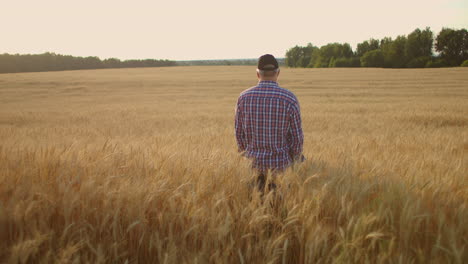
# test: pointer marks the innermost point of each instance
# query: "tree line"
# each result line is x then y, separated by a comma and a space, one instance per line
229, 62
11, 63
415, 50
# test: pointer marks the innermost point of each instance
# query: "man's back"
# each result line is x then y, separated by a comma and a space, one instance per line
268, 126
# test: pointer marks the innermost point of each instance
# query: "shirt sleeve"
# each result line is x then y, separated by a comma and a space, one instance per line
240, 135
296, 136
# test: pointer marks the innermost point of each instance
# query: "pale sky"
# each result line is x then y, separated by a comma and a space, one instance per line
210, 29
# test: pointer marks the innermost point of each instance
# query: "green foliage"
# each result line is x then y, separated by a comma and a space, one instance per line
412, 51
436, 63
112, 63
394, 52
292, 56
387, 48
10, 63
315, 58
366, 46
348, 62
419, 44
419, 62
301, 56
330, 52
331, 64
373, 58
464, 64
396, 58
311, 56
453, 45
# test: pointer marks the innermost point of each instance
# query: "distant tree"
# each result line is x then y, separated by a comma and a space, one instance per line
394, 52
327, 52
366, 46
386, 48
112, 63
419, 62
436, 63
373, 58
397, 57
331, 52
346, 51
309, 54
331, 63
92, 62
418, 45
464, 64
300, 56
348, 62
293, 55
315, 57
8, 63
452, 45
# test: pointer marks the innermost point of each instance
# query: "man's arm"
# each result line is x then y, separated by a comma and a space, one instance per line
240, 136
296, 136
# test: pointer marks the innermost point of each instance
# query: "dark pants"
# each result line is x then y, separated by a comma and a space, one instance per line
266, 184
262, 183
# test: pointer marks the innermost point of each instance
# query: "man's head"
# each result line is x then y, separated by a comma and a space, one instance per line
267, 69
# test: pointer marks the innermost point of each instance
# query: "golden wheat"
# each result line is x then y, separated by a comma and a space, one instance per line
140, 166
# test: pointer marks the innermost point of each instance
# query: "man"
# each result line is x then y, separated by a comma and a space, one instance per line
268, 123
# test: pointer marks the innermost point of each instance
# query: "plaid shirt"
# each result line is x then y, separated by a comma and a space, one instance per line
268, 126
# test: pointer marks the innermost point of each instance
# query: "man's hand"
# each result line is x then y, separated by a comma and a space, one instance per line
298, 159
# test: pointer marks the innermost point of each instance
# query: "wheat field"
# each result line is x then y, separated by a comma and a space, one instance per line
141, 166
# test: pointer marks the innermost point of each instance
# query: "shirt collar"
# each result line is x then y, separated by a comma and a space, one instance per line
267, 83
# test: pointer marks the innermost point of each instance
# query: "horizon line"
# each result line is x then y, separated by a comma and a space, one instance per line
104, 58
